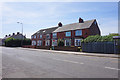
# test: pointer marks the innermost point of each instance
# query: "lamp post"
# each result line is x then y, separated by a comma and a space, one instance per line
22, 32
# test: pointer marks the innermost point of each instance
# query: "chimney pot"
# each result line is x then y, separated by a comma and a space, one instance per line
13, 33
60, 24
18, 32
81, 20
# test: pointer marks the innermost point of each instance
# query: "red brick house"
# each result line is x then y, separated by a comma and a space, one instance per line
71, 34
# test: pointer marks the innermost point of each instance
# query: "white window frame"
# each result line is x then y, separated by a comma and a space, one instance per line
54, 43
55, 35
78, 40
39, 43
37, 36
40, 36
34, 36
33, 42
66, 42
47, 35
47, 43
67, 33
80, 33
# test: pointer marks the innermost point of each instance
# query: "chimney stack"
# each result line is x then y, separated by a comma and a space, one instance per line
59, 24
18, 33
13, 33
81, 20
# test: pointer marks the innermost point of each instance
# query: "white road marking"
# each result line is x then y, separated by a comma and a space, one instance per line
69, 61
112, 68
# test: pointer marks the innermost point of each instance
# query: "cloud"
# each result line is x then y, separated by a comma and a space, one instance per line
42, 15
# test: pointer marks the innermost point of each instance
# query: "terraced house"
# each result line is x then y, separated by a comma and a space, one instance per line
71, 34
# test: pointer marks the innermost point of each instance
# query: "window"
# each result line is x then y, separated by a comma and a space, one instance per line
78, 32
32, 37
35, 36
54, 35
95, 22
48, 36
33, 43
40, 36
68, 34
39, 43
54, 42
47, 42
68, 42
78, 42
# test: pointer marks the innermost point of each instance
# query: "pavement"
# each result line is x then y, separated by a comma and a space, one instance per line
78, 53
36, 63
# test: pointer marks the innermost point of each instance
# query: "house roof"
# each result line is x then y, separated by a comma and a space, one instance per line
46, 31
13, 36
6, 37
75, 26
68, 27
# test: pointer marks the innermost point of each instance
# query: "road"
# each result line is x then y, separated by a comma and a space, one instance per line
26, 63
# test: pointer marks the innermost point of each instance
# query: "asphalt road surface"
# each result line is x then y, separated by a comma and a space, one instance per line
26, 63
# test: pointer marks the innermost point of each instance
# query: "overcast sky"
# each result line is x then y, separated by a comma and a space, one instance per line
40, 15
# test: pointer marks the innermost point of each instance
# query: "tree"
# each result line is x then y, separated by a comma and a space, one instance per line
60, 42
98, 38
12, 42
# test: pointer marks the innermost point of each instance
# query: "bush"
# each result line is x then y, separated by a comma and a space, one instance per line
60, 42
26, 42
98, 38
12, 42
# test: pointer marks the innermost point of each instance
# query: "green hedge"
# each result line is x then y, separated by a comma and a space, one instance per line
98, 38
11, 42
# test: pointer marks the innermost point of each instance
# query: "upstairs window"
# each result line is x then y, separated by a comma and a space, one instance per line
68, 34
95, 22
54, 35
37, 36
40, 36
34, 36
78, 32
48, 36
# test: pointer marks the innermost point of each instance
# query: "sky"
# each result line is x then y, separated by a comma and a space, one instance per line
41, 15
